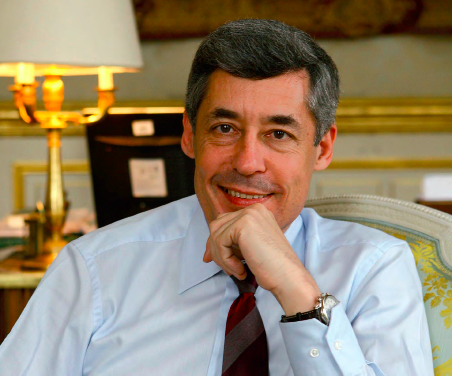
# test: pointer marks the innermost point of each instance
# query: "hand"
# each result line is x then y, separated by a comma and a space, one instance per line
253, 234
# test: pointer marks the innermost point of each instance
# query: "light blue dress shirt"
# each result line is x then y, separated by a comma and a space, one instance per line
135, 298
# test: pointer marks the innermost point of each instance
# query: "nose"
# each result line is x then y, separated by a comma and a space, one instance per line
249, 156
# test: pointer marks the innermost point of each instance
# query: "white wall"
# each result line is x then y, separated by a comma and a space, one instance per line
389, 66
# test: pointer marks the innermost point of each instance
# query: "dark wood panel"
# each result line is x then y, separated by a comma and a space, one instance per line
444, 206
12, 303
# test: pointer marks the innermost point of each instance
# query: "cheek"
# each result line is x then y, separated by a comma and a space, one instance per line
295, 177
293, 171
210, 159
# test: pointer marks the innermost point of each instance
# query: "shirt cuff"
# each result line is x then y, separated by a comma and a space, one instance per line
316, 349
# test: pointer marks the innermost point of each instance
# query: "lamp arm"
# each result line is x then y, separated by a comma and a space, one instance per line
25, 101
106, 99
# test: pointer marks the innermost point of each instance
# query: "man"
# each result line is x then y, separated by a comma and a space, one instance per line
152, 294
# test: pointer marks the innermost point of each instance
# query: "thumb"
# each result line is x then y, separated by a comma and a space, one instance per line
207, 254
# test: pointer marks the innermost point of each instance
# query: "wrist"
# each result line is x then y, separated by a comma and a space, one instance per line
322, 311
297, 296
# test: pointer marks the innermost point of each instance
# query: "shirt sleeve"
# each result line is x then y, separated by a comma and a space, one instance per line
381, 330
53, 332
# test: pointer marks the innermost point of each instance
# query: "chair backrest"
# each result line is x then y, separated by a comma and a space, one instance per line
428, 233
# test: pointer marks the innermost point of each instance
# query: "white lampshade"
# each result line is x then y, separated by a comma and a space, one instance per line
68, 37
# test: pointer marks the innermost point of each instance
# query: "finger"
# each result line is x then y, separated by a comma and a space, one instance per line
216, 257
222, 219
224, 250
208, 257
226, 232
236, 267
225, 259
223, 215
213, 227
207, 254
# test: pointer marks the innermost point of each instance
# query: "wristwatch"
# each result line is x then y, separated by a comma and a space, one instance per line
321, 311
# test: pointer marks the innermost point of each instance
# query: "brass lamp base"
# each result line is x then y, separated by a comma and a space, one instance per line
54, 121
43, 261
54, 246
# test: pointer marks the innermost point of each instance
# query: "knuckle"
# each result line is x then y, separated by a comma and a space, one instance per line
213, 240
251, 210
259, 206
254, 211
212, 227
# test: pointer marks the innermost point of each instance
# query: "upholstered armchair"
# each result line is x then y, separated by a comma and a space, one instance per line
428, 233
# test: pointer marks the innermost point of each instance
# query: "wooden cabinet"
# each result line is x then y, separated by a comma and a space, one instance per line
16, 288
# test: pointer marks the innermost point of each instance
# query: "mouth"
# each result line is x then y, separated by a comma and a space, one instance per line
240, 198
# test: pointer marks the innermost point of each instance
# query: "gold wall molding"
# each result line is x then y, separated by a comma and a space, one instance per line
390, 163
355, 115
12, 126
394, 115
21, 169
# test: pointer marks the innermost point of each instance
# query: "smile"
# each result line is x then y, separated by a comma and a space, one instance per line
242, 195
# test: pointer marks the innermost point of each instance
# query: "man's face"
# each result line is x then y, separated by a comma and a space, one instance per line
253, 143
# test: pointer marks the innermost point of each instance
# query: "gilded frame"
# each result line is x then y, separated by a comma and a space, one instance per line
23, 168
355, 115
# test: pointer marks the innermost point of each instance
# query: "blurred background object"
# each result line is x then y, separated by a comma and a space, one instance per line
437, 192
45, 38
436, 187
150, 169
167, 19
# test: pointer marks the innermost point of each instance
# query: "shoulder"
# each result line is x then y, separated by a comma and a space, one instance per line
333, 234
162, 224
355, 252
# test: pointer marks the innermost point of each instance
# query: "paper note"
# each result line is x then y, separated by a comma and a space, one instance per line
143, 127
148, 178
436, 187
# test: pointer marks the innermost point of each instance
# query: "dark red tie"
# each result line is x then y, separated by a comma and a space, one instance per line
245, 352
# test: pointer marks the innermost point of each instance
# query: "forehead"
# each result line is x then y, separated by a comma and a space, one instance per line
285, 94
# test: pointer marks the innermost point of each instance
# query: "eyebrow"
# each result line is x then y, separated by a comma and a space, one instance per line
280, 119
220, 112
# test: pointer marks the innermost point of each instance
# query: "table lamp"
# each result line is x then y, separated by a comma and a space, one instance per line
55, 38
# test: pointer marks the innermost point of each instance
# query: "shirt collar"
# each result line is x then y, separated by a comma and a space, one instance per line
192, 269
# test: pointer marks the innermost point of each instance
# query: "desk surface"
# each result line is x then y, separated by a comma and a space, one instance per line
11, 275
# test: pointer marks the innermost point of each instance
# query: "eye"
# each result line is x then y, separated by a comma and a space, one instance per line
278, 134
224, 128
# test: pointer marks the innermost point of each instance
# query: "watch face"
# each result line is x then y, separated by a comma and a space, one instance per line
330, 302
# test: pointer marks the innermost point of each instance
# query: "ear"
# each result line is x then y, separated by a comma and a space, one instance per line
324, 150
187, 137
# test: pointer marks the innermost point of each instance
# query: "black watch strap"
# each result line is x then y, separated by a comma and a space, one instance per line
302, 316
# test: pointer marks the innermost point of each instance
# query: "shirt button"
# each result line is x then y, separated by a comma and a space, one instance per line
314, 352
337, 345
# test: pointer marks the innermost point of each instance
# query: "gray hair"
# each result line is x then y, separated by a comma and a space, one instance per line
259, 49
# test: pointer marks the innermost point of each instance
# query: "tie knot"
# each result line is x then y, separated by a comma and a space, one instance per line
249, 284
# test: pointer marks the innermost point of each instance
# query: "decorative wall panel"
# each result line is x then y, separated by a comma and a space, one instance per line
163, 19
